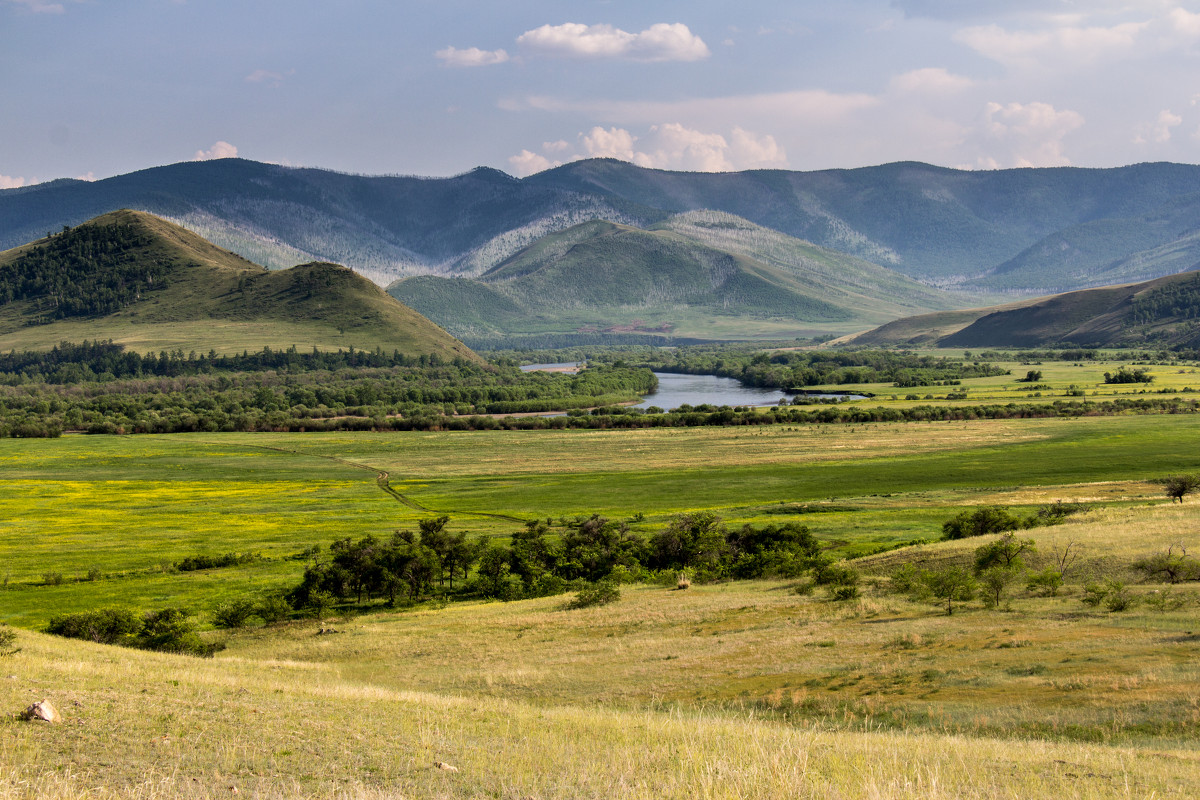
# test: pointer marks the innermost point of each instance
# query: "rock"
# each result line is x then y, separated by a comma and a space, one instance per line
442, 765
43, 711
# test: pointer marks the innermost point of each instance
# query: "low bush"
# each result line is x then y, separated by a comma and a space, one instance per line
600, 593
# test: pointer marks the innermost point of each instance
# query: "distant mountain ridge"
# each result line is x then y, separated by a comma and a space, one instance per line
147, 283
692, 273
1164, 312
1021, 230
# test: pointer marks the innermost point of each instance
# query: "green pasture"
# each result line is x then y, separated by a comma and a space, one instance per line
125, 509
1058, 382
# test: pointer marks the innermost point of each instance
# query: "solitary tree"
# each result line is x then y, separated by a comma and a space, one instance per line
950, 584
1177, 486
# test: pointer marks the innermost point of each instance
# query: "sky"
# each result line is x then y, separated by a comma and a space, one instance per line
94, 88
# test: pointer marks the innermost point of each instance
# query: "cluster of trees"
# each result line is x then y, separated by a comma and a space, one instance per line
540, 562
1128, 375
101, 360
994, 519
84, 271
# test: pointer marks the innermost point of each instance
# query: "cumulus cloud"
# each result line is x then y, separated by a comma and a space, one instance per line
665, 146
218, 150
528, 162
1026, 135
470, 57
9, 182
1159, 131
660, 42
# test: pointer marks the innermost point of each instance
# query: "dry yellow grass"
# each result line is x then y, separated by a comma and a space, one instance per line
151, 726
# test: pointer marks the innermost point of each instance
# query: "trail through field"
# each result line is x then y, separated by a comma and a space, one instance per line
383, 480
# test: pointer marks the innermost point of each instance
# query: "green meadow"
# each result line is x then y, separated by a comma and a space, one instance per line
738, 690
123, 510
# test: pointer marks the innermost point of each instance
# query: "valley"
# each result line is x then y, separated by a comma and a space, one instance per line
283, 533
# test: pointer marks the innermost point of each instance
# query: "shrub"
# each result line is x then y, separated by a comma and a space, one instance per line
52, 578
1045, 583
1094, 593
804, 587
1166, 600
234, 613
981, 521
172, 630
683, 581
1171, 566
906, 578
1118, 597
600, 593
841, 592
273, 608
835, 574
112, 625
7, 637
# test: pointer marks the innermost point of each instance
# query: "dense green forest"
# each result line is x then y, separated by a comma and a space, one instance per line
84, 272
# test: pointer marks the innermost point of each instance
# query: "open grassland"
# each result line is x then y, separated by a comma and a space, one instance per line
742, 690
125, 509
739, 691
1060, 380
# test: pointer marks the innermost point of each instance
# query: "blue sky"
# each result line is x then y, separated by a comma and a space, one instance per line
92, 88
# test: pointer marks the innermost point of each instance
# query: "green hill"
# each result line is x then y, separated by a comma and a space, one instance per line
1164, 312
696, 274
148, 284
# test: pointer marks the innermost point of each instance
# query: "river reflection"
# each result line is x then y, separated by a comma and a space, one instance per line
676, 390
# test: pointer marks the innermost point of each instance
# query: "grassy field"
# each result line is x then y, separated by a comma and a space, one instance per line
738, 690
125, 509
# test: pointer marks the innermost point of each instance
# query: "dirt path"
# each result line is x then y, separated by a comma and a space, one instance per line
383, 481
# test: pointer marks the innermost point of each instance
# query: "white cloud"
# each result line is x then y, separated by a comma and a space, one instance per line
89, 177
470, 57
1184, 22
528, 162
1064, 45
659, 42
665, 146
39, 7
1159, 131
931, 80
749, 151
1026, 135
8, 182
218, 150
611, 143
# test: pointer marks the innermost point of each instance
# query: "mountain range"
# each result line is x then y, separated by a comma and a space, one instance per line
889, 241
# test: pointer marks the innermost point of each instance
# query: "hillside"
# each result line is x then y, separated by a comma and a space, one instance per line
1029, 230
1161, 312
696, 274
383, 227
149, 284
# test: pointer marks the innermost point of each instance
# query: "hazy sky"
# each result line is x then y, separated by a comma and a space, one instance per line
101, 87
